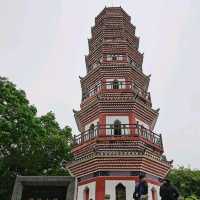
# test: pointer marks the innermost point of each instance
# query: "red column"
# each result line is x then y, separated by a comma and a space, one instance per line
102, 121
103, 85
132, 121
100, 188
86, 194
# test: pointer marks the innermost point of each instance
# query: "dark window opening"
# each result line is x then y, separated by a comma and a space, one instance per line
120, 192
91, 130
86, 193
117, 127
115, 84
114, 58
44, 192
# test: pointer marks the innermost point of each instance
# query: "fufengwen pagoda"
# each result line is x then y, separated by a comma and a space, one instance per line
116, 120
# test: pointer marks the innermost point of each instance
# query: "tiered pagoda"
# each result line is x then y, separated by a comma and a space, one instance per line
116, 120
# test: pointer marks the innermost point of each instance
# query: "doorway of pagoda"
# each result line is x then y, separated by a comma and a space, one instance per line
117, 127
120, 192
86, 193
91, 131
115, 84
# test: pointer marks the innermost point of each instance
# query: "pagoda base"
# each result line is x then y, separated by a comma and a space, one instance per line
106, 188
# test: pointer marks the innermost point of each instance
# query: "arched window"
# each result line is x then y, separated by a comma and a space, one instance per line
114, 57
117, 127
86, 194
115, 84
120, 192
91, 131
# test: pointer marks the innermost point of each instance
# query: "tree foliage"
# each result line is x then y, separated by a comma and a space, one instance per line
29, 145
187, 181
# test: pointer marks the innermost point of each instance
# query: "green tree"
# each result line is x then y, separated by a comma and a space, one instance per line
29, 145
187, 181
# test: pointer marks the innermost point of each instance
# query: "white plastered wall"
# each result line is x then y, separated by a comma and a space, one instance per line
92, 190
111, 184
87, 126
122, 119
142, 123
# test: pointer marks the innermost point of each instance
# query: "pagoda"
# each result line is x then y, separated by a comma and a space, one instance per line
116, 121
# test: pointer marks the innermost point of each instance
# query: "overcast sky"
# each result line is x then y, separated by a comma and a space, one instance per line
42, 48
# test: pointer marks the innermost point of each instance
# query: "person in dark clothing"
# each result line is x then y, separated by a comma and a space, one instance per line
168, 191
141, 189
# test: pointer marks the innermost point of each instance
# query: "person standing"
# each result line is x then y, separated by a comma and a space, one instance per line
141, 189
168, 191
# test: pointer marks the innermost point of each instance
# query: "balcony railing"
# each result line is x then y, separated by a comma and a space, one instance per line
109, 130
117, 86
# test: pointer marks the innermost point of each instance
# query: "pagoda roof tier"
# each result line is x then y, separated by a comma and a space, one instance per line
117, 33
126, 90
100, 55
119, 70
126, 144
117, 22
112, 12
105, 37
136, 161
110, 104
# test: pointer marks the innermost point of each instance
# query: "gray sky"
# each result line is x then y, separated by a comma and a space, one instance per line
42, 48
